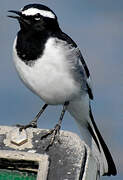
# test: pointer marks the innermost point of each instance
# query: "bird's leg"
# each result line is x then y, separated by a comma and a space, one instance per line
33, 123
56, 130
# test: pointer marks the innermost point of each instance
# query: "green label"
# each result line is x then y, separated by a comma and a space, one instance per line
16, 175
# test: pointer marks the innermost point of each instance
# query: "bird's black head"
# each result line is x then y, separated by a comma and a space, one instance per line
36, 17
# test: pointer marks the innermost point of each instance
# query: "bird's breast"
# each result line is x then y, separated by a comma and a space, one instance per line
49, 77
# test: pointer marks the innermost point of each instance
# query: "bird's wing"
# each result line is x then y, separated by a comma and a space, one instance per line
66, 38
88, 77
79, 109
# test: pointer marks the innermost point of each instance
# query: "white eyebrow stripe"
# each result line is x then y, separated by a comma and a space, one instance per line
34, 11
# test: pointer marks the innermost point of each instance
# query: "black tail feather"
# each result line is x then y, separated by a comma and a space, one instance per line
111, 166
93, 135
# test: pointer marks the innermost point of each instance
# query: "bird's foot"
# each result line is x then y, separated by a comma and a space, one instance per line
32, 124
55, 132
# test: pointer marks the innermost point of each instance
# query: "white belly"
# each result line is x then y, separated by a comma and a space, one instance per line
49, 77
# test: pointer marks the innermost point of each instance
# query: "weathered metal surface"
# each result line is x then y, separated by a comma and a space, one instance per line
69, 160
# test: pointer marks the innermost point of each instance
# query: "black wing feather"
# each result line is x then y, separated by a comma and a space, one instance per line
61, 35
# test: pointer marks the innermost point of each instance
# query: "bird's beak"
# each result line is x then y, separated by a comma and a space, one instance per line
15, 12
20, 17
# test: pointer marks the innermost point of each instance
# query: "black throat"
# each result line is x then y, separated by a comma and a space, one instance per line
30, 45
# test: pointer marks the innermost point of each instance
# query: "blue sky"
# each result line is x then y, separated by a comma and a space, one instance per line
97, 27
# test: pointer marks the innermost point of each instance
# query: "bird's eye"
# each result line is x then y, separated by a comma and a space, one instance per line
37, 17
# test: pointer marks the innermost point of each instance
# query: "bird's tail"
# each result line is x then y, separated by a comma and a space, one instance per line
81, 111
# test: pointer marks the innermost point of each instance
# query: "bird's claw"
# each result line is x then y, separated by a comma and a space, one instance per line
55, 132
31, 124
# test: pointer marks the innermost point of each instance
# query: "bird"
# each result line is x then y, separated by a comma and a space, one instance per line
51, 65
